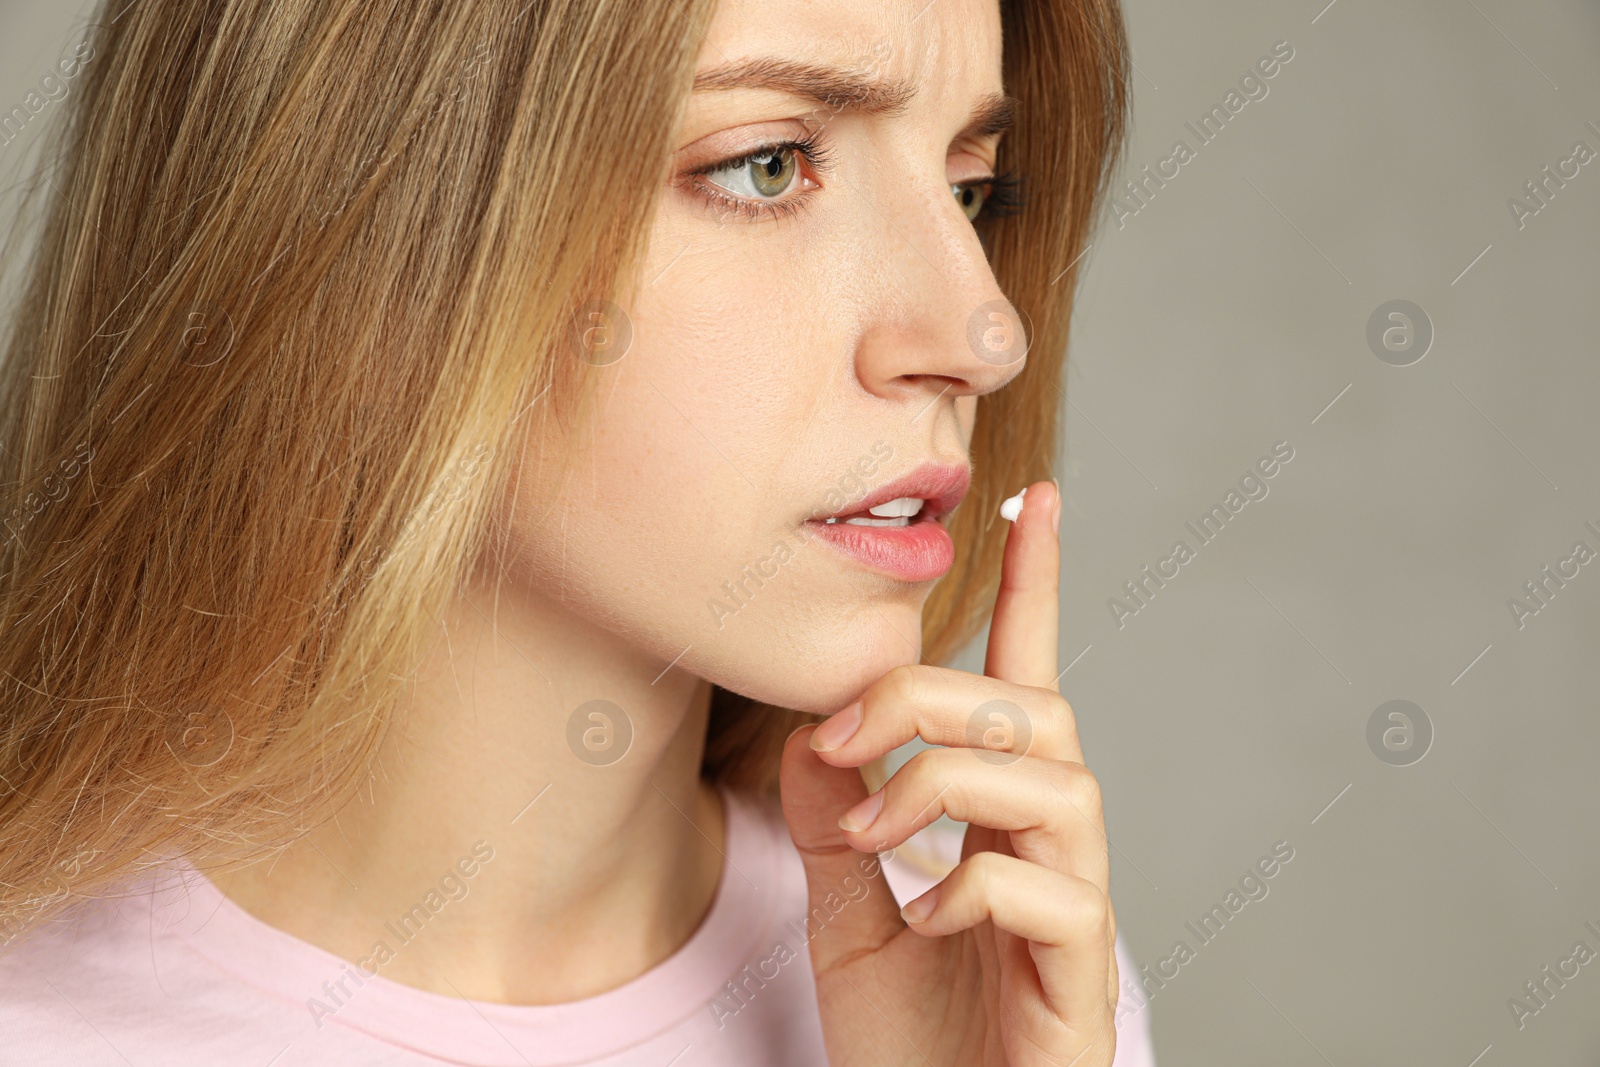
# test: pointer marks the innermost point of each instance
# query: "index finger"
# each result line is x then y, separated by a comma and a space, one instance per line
1023, 629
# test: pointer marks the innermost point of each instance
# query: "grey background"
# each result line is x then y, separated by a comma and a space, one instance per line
1231, 713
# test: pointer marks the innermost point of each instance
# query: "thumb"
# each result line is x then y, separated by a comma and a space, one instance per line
850, 908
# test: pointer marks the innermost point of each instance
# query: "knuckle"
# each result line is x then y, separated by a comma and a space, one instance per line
1060, 715
900, 684
915, 772
947, 763
936, 774
1085, 906
1092, 909
983, 871
921, 679
1080, 787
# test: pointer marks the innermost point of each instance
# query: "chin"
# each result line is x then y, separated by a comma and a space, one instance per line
821, 666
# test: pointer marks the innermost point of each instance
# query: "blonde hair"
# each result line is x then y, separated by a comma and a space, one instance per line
305, 276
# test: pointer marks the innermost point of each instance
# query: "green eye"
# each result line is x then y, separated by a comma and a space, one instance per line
769, 172
971, 199
770, 181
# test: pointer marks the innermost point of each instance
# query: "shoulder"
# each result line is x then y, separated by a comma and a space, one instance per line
116, 980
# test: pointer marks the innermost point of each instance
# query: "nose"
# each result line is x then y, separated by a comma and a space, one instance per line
937, 322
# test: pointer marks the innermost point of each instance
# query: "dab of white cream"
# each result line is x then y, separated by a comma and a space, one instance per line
1011, 509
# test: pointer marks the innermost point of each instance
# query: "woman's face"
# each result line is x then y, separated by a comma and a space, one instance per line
805, 332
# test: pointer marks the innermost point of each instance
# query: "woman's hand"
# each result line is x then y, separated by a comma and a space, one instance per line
1010, 959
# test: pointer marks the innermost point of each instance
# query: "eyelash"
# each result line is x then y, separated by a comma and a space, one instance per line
1005, 195
811, 149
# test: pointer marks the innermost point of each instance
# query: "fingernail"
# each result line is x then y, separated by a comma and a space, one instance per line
1055, 520
860, 817
918, 910
837, 730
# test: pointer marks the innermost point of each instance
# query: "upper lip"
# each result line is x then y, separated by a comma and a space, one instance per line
940, 486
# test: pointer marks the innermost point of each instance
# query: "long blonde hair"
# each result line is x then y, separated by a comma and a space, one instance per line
305, 276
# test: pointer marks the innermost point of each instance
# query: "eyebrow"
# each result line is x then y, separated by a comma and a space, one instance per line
844, 89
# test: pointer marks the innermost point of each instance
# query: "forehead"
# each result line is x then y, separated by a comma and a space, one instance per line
937, 47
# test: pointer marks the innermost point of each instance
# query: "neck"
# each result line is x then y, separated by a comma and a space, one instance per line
584, 850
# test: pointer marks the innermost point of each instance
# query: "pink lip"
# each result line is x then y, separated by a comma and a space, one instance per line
917, 552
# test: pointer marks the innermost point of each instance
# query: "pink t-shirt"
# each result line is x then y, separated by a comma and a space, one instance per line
174, 973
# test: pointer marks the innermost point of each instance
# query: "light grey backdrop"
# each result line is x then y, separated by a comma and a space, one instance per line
1231, 712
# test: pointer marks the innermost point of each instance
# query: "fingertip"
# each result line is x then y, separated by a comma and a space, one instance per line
837, 731
800, 735
916, 912
1042, 501
838, 757
801, 739
1050, 493
834, 758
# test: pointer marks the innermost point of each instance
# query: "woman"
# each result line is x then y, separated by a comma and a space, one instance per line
459, 452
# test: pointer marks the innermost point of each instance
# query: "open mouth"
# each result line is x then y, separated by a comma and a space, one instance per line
927, 494
901, 511
898, 529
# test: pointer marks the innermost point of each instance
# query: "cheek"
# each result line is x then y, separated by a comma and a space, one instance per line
677, 471
728, 421
629, 519
967, 417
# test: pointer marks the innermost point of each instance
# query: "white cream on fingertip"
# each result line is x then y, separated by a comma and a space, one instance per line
1011, 508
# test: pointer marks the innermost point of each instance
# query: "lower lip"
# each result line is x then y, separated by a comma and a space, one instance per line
917, 552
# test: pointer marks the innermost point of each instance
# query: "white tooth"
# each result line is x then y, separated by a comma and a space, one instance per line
905, 506
901, 521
